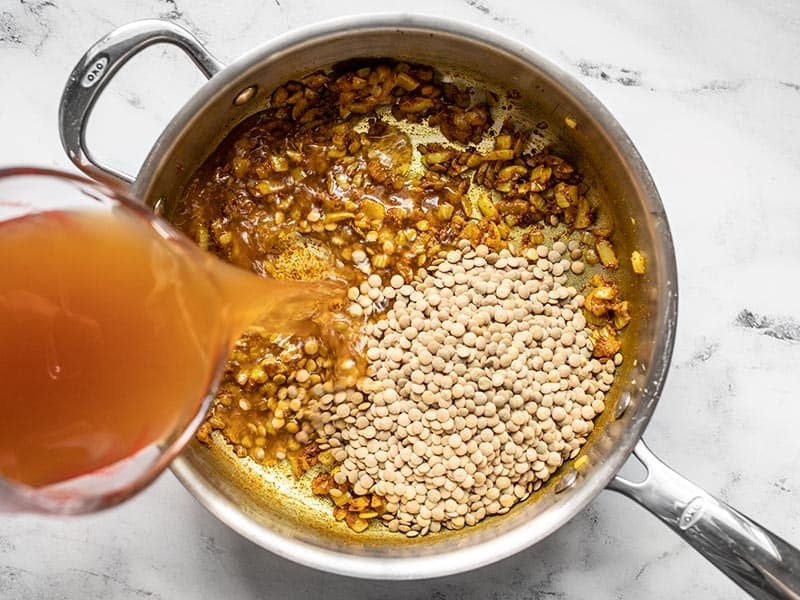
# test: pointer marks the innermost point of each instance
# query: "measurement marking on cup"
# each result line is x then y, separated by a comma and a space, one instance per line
95, 72
691, 514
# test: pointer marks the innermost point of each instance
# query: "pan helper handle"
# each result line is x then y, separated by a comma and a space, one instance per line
760, 562
93, 72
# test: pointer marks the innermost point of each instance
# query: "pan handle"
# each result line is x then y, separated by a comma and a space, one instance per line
96, 69
760, 562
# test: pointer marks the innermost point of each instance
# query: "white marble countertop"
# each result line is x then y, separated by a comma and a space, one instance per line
710, 94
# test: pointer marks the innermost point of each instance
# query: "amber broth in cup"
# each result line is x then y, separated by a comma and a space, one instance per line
111, 333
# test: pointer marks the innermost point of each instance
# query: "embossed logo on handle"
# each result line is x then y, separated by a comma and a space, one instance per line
692, 513
95, 71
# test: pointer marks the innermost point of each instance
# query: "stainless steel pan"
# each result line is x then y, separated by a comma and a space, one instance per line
265, 505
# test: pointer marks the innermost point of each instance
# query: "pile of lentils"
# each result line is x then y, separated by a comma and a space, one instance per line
480, 384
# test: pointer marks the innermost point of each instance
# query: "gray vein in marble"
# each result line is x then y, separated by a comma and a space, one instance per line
211, 545
36, 7
28, 28
486, 10
116, 582
627, 77
703, 354
6, 546
782, 485
9, 576
134, 101
717, 86
9, 34
478, 6
705, 350
731, 481
610, 73
781, 328
172, 12
647, 565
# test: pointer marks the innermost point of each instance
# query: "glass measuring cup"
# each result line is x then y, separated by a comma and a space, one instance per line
121, 451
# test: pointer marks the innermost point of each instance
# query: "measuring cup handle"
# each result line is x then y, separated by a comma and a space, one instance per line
97, 67
763, 564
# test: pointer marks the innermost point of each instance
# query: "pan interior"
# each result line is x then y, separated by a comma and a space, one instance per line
267, 504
